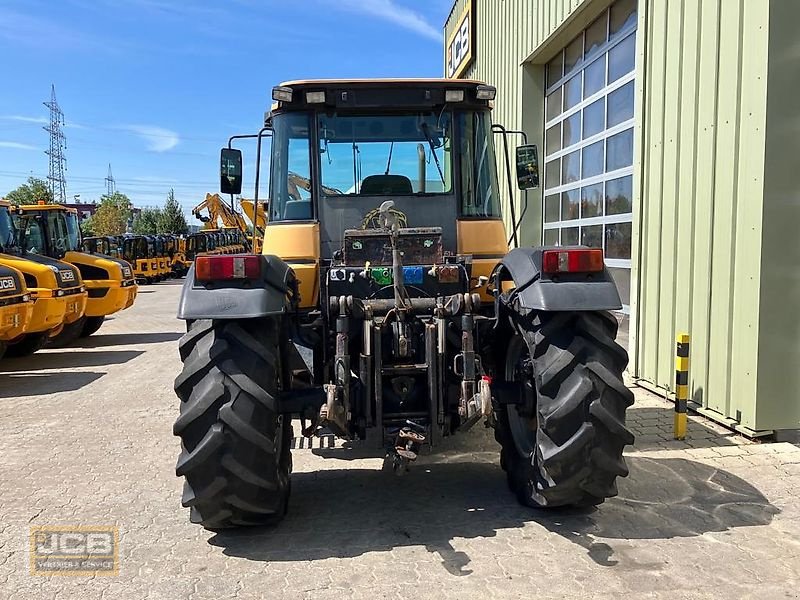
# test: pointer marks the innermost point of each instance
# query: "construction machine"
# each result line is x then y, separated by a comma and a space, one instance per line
258, 217
108, 245
135, 251
220, 217
53, 230
16, 306
58, 294
180, 264
392, 266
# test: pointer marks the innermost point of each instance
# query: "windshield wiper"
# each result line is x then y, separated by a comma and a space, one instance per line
428, 137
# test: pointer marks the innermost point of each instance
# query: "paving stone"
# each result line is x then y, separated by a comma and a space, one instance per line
90, 442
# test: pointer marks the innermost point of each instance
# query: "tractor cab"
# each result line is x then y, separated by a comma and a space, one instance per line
340, 150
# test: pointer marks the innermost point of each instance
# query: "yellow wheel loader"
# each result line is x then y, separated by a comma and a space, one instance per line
53, 230
16, 306
180, 262
386, 256
59, 296
108, 245
135, 251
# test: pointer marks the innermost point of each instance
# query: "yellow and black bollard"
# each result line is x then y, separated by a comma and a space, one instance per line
681, 384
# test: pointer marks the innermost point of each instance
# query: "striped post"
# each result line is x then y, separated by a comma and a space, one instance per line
681, 384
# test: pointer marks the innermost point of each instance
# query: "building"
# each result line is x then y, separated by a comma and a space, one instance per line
85, 210
667, 134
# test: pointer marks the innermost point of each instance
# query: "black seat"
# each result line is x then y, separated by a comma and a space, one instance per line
386, 185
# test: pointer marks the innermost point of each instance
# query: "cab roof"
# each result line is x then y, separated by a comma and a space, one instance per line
48, 207
429, 82
393, 94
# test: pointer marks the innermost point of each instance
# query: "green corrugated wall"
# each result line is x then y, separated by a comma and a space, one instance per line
710, 229
508, 31
703, 128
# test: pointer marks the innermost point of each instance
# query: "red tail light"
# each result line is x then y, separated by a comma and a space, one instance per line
572, 260
227, 266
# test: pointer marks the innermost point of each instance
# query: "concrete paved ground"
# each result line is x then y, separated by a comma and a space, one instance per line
85, 439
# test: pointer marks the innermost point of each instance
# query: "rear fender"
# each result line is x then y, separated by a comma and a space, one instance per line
535, 290
272, 294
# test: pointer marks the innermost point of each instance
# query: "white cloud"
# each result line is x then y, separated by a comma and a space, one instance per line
25, 119
389, 10
17, 146
158, 139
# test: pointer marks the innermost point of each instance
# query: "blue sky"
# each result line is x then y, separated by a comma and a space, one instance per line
155, 87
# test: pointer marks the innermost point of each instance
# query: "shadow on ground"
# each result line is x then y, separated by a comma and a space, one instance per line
21, 385
437, 502
125, 339
65, 359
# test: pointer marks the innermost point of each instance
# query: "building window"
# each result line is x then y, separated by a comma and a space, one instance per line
589, 121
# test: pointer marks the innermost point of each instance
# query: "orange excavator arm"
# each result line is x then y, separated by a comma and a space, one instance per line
219, 214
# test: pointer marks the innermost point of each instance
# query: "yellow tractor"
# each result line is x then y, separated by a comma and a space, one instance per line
16, 306
53, 230
59, 296
385, 255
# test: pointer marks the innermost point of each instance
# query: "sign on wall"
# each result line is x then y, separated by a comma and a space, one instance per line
460, 48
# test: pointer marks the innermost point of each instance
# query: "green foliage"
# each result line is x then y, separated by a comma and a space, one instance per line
87, 227
111, 216
31, 192
147, 221
172, 219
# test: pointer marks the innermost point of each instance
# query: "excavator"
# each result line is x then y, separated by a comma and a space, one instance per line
260, 219
55, 287
53, 230
223, 218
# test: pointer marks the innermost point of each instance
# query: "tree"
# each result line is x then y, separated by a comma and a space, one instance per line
146, 222
172, 219
87, 227
111, 216
31, 192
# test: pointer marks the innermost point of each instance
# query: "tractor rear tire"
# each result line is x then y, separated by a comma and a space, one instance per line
28, 344
69, 334
91, 325
235, 455
569, 451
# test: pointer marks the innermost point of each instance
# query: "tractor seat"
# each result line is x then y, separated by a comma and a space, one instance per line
297, 210
386, 185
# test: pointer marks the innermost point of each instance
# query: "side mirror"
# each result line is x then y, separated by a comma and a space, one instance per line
230, 171
527, 167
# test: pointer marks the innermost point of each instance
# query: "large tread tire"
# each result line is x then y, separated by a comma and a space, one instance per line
30, 343
69, 334
91, 325
578, 434
235, 446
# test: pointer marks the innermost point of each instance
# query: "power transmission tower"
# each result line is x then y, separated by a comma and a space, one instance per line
110, 184
58, 144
